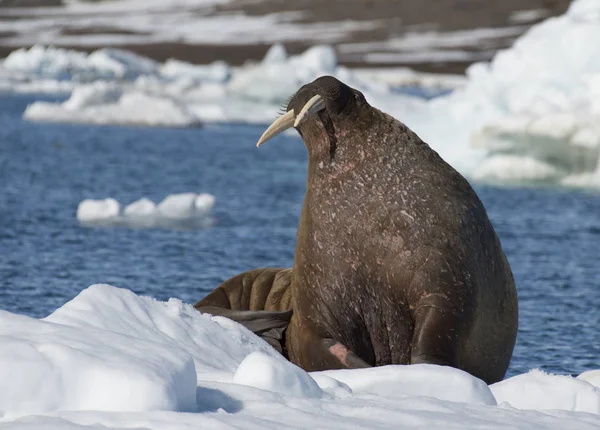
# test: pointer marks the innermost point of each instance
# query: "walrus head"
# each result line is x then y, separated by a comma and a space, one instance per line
320, 112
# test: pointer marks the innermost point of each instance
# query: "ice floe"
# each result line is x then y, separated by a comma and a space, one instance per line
182, 94
110, 359
529, 115
188, 210
536, 102
106, 103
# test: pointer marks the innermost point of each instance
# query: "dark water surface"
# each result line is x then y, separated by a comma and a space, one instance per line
552, 238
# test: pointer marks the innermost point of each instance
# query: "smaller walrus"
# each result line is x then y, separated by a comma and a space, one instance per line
259, 299
396, 261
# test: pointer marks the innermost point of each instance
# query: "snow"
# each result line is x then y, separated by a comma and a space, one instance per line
267, 373
176, 210
538, 390
443, 383
591, 376
110, 359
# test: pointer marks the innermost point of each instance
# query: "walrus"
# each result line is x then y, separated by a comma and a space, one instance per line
259, 299
396, 260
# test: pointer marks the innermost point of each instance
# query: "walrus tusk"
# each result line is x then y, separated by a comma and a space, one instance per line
280, 125
311, 107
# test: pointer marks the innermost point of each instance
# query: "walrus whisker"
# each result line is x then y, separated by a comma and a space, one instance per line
311, 107
279, 126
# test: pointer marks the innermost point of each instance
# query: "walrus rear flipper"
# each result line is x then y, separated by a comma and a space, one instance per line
268, 325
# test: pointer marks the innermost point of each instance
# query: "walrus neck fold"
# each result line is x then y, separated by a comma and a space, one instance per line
331, 135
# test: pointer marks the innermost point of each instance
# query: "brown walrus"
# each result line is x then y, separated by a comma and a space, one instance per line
259, 299
396, 260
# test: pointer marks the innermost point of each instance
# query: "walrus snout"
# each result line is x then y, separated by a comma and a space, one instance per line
324, 93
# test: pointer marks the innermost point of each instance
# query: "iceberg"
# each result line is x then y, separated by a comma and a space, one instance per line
110, 359
106, 103
530, 115
112, 87
535, 104
65, 64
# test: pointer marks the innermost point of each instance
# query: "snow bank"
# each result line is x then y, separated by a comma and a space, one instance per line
536, 102
539, 390
110, 359
50, 366
176, 210
419, 380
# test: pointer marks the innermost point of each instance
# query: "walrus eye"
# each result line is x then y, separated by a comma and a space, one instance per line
313, 106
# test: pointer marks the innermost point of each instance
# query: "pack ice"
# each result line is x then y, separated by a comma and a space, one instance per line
530, 115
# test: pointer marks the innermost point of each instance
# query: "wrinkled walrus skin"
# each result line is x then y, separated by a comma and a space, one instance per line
396, 261
259, 299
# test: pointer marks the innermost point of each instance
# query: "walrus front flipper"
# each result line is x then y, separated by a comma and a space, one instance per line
313, 352
268, 325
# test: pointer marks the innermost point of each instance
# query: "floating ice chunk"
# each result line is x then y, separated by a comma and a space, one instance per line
203, 204
538, 98
178, 206
141, 213
515, 168
444, 383
219, 71
98, 211
274, 81
591, 376
176, 210
58, 63
121, 64
102, 103
539, 390
276, 374
140, 208
94, 94
276, 54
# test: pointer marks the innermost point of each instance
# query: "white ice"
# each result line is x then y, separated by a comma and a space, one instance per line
535, 104
530, 115
182, 94
176, 210
106, 103
110, 359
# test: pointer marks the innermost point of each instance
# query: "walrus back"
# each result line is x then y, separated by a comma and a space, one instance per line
266, 289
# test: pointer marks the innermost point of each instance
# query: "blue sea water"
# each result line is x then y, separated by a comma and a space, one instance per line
551, 237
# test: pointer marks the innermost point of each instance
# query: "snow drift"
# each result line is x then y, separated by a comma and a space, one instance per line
112, 359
